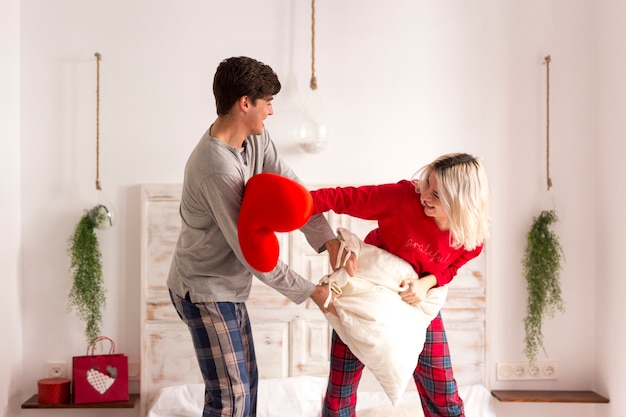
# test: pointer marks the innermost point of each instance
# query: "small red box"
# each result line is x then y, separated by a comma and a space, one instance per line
54, 390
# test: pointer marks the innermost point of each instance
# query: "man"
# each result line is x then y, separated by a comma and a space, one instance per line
209, 279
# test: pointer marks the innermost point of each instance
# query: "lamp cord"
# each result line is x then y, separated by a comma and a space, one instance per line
313, 83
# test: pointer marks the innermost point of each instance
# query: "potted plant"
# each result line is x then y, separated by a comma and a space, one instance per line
87, 296
541, 266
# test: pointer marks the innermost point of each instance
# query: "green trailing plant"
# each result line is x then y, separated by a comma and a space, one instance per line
87, 296
541, 265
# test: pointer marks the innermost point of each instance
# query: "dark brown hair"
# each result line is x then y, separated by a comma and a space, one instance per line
242, 76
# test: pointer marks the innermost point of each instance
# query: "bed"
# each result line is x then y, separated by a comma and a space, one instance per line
292, 341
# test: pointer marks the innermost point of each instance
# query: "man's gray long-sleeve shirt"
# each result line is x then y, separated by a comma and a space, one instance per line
208, 262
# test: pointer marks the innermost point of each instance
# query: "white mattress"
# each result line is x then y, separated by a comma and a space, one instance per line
302, 396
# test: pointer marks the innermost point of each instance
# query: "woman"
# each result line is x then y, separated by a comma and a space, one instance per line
437, 223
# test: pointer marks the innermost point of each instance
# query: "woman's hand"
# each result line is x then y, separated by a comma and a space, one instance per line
332, 246
415, 290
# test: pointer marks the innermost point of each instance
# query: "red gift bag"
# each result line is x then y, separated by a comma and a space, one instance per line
100, 378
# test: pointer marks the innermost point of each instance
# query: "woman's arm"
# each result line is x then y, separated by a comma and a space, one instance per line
370, 202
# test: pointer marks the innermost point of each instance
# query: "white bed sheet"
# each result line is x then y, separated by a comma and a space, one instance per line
302, 396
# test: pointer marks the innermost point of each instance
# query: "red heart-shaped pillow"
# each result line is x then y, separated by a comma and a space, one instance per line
271, 203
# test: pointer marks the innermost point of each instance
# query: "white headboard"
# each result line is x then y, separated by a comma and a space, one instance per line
289, 339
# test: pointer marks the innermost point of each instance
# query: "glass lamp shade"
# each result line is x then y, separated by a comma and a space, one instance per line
312, 129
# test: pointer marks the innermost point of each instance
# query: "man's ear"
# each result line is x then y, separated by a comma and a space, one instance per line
271, 203
244, 102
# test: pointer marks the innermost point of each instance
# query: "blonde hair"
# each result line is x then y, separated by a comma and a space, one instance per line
464, 195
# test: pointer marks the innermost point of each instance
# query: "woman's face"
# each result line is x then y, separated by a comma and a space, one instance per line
431, 202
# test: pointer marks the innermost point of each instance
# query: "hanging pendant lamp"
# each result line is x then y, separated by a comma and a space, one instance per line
313, 124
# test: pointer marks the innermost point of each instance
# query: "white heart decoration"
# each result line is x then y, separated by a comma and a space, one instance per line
101, 382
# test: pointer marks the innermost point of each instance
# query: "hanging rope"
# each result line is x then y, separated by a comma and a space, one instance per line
313, 83
547, 60
98, 59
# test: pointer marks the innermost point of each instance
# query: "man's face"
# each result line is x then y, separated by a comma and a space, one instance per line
258, 112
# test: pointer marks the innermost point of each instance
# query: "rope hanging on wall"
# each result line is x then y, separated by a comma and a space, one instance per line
98, 59
313, 83
547, 60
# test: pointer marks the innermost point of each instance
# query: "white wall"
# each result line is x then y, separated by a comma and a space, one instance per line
10, 241
429, 78
562, 30
610, 201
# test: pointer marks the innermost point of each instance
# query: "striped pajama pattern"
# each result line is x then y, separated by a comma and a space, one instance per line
222, 340
433, 377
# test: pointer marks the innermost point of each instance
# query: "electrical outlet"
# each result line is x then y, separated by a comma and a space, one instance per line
133, 371
56, 369
518, 371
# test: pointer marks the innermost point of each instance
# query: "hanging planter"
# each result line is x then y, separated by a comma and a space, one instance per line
542, 261
87, 297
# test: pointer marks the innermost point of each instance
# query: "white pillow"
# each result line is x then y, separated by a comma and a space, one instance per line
477, 399
384, 332
293, 396
300, 396
404, 410
177, 401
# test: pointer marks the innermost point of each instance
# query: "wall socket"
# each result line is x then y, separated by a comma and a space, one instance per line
523, 371
134, 371
56, 369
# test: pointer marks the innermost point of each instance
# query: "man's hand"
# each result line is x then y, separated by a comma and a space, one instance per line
415, 289
319, 297
332, 246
